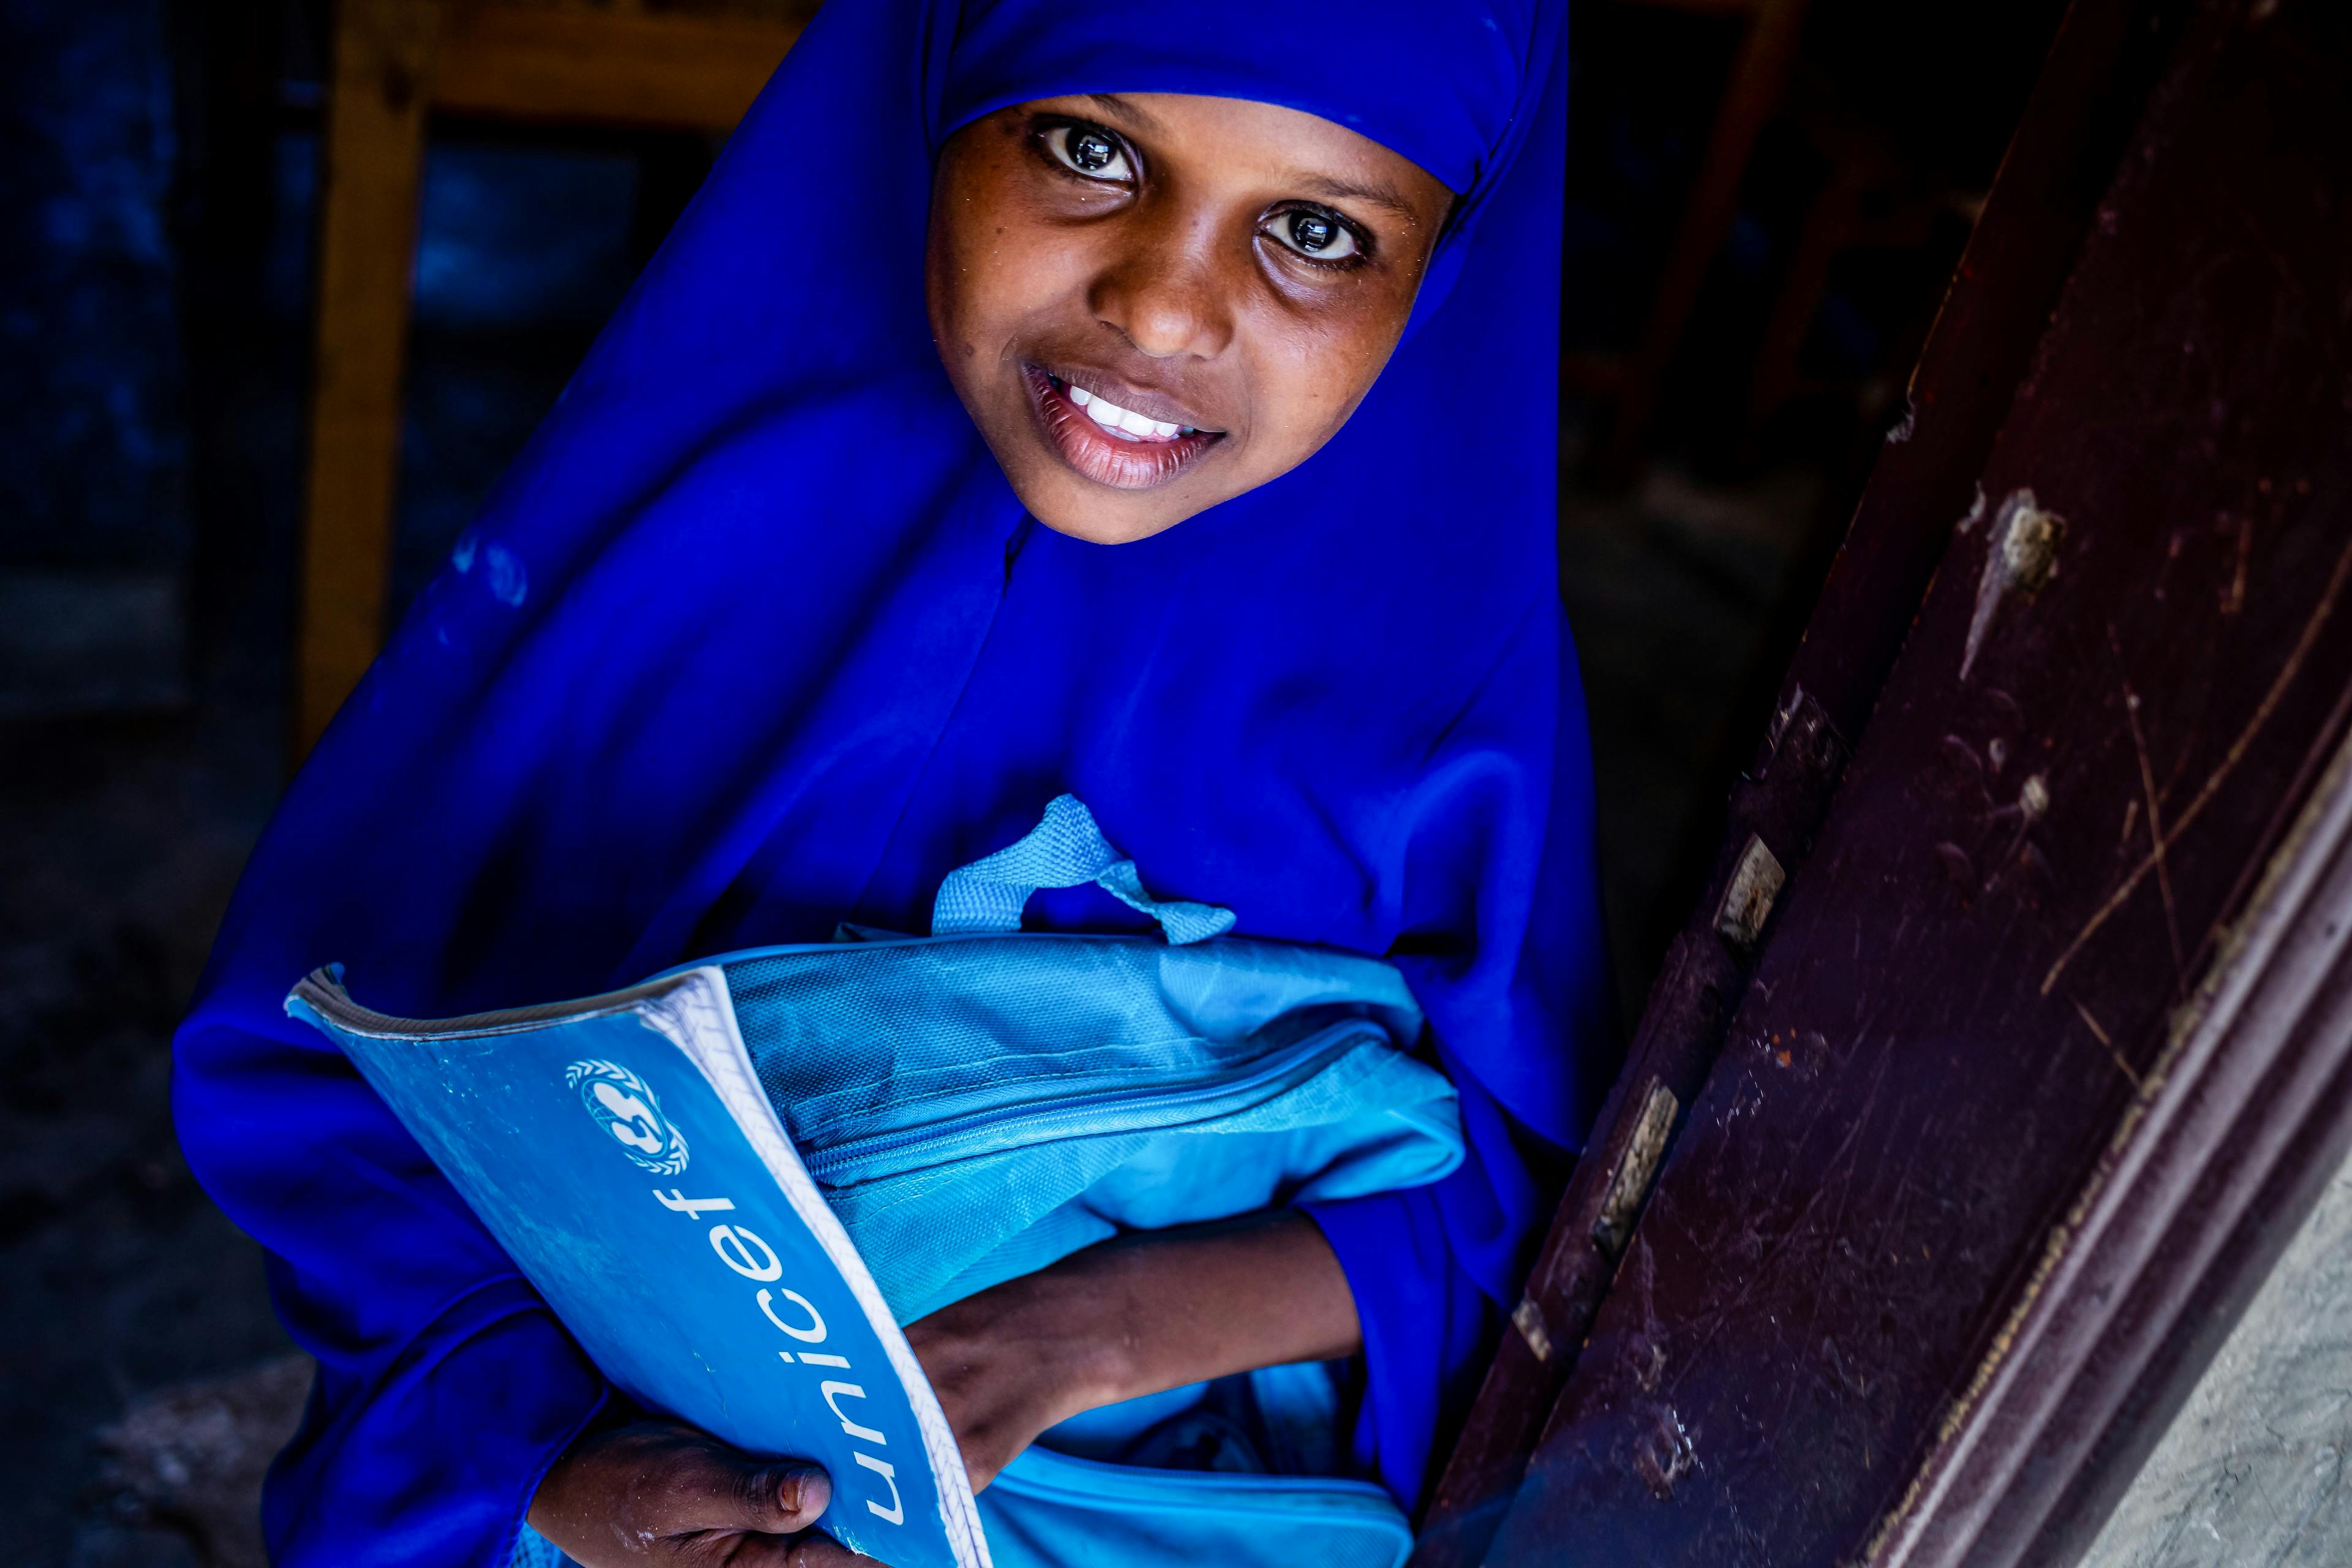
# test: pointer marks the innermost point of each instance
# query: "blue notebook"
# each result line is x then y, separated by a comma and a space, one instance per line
634, 1147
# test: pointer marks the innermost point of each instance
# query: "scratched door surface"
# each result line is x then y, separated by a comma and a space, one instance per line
2125, 681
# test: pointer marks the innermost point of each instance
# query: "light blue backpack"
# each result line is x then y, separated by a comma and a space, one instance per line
981, 1102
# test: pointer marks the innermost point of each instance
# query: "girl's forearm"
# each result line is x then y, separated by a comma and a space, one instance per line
1132, 1317
1176, 1307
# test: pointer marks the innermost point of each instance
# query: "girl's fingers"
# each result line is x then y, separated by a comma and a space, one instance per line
794, 1493
779, 1498
810, 1551
660, 1492
814, 1551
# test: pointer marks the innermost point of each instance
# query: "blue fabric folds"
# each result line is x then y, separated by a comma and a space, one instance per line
1065, 849
755, 638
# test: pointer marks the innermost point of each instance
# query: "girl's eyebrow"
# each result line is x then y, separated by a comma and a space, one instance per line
1119, 107
1378, 196
1320, 185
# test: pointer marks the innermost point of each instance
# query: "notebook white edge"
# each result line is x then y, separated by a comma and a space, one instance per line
697, 1014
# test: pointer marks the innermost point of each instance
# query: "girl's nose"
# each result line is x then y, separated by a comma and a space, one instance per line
1165, 291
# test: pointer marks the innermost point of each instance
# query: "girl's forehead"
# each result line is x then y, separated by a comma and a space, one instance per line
1437, 81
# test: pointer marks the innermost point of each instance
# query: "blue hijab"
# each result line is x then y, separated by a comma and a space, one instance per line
756, 639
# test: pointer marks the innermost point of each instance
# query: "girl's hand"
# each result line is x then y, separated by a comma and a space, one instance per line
1127, 1318
654, 1495
1132, 1317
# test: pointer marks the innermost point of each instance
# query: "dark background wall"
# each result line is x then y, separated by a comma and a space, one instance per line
157, 175
94, 517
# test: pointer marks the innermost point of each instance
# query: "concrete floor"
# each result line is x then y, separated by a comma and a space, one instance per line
117, 1276
2252, 1470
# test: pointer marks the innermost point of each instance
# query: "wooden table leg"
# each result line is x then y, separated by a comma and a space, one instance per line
371, 163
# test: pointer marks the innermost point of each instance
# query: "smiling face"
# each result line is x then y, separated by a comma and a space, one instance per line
1152, 303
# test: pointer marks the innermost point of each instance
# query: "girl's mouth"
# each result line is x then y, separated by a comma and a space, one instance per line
1108, 444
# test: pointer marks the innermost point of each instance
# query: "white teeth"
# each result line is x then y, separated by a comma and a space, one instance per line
1121, 421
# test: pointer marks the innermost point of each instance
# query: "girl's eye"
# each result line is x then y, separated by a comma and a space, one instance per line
1315, 234
1092, 152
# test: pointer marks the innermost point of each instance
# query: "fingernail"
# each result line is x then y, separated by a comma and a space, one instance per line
805, 1487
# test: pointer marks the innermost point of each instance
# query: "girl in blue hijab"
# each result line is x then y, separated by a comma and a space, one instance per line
1251, 305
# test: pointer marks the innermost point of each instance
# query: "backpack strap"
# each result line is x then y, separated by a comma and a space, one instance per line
1063, 850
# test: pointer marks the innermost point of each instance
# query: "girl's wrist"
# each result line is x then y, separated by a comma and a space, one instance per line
1097, 1330
1135, 1316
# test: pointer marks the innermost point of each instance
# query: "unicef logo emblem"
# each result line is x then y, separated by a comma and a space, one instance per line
625, 1107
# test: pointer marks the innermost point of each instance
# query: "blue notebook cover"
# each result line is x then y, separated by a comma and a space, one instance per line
622, 1151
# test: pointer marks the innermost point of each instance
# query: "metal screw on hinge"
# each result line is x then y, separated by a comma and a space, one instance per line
1636, 1170
1748, 901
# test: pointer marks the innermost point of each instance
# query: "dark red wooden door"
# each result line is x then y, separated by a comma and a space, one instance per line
2115, 716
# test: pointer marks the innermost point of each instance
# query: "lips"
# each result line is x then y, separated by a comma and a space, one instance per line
1110, 443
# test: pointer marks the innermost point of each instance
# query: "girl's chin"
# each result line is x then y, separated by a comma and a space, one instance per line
1119, 461
1093, 528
